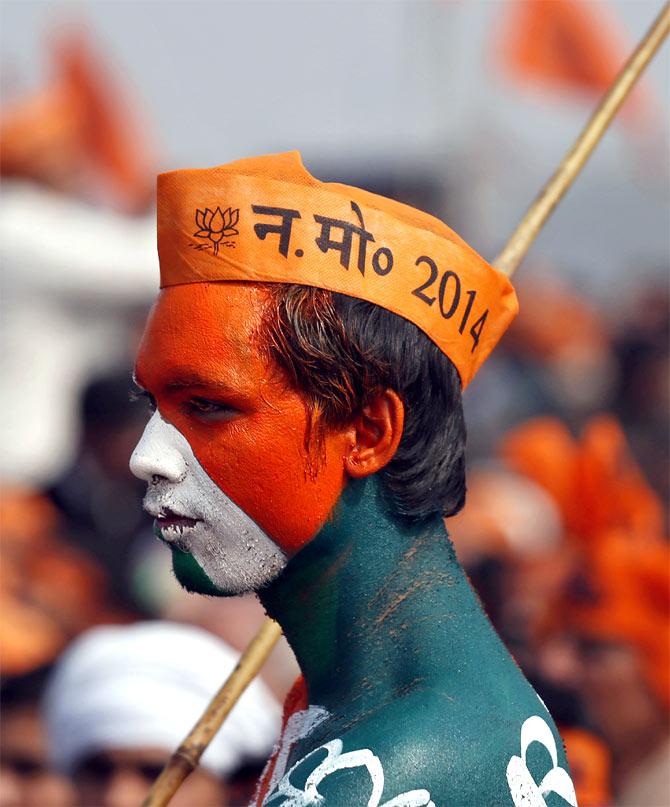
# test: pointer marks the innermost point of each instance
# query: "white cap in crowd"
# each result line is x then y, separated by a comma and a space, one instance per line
145, 685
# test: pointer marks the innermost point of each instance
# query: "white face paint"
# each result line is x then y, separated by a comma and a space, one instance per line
195, 516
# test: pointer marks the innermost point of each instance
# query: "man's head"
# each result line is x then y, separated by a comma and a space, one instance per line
269, 399
307, 334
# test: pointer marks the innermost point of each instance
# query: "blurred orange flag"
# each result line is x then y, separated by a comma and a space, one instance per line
595, 481
79, 133
573, 45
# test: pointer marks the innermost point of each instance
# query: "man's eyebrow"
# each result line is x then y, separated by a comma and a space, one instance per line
182, 378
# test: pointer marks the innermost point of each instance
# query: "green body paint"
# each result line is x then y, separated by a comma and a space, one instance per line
393, 643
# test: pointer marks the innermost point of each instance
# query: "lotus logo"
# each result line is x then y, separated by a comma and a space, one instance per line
216, 224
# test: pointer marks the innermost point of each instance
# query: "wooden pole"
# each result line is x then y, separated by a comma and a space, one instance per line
531, 224
185, 759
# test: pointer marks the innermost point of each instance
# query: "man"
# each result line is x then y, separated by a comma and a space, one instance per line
305, 360
121, 699
97, 485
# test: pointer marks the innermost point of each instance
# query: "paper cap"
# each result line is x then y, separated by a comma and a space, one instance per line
268, 220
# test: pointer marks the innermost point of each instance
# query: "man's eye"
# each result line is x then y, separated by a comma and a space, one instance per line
150, 771
209, 411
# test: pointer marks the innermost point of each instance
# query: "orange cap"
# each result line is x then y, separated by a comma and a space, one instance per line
268, 220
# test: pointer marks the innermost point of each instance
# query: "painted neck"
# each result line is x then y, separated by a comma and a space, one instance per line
373, 608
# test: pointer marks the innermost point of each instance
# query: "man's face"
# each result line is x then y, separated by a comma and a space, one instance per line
122, 777
225, 455
26, 778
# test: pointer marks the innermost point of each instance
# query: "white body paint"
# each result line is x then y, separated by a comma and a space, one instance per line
524, 790
335, 760
230, 547
299, 726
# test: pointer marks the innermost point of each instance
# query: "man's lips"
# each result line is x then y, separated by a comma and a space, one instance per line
175, 522
174, 529
167, 519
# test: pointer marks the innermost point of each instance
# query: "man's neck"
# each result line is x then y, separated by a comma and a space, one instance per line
374, 609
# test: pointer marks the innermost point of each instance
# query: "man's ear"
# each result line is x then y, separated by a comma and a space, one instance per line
375, 434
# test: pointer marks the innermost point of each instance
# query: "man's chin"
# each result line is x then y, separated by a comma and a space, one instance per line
192, 577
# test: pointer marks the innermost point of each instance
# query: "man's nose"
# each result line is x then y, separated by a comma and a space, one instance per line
156, 457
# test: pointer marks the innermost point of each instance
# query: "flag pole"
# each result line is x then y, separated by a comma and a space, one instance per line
185, 759
531, 224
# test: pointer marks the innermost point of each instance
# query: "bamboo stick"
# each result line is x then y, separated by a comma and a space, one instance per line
531, 224
185, 759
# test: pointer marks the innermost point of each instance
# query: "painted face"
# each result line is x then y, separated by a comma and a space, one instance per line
196, 518
225, 455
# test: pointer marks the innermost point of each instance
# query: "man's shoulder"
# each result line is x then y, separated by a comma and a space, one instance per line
418, 750
481, 751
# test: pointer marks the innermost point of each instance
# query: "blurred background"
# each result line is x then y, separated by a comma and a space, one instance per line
463, 109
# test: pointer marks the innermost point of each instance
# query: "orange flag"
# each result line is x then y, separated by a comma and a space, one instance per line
79, 134
564, 45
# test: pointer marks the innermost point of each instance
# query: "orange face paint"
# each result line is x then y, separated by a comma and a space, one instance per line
200, 360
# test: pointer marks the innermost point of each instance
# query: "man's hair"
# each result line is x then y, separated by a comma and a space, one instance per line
339, 352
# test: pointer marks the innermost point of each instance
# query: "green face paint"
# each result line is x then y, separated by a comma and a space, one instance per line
191, 575
188, 571
411, 690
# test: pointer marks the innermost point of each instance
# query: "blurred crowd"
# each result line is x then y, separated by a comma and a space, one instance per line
106, 663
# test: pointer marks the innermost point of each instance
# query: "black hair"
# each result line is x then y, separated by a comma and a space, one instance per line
339, 351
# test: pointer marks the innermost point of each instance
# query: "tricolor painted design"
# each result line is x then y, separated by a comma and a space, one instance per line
203, 364
195, 517
225, 458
